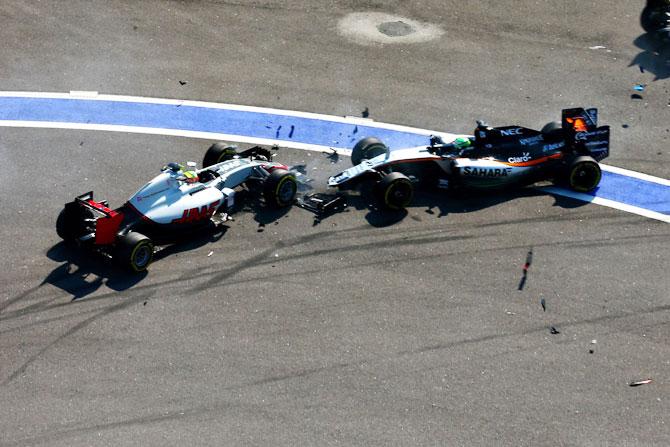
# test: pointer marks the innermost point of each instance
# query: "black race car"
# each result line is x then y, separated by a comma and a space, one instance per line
567, 152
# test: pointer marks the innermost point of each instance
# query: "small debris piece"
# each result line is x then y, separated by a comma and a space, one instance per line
641, 69
635, 96
625, 126
639, 87
554, 331
210, 254
145, 303
543, 303
183, 82
509, 313
526, 266
594, 341
322, 204
641, 382
597, 47
365, 113
591, 351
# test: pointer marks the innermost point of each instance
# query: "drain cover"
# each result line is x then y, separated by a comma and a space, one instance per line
395, 29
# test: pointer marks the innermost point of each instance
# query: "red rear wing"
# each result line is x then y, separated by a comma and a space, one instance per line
106, 226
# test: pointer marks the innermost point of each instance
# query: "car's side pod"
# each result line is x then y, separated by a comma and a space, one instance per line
583, 134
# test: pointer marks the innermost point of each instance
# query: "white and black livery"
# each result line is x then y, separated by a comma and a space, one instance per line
179, 200
565, 152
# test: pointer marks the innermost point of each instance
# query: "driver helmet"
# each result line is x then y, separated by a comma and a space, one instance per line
190, 177
462, 143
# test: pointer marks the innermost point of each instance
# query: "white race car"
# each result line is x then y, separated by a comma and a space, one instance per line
180, 199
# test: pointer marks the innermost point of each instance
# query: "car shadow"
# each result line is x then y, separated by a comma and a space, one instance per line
442, 203
82, 271
655, 55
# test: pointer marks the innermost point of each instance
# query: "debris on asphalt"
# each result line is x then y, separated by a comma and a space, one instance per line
543, 303
210, 254
526, 266
145, 303
594, 341
334, 156
639, 87
183, 82
509, 313
640, 382
365, 113
625, 126
322, 204
635, 96
554, 331
591, 351
597, 47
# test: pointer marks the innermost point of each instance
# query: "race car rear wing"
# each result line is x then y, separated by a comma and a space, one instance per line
583, 133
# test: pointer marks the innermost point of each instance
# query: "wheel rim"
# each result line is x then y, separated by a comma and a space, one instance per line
585, 176
286, 190
142, 256
399, 194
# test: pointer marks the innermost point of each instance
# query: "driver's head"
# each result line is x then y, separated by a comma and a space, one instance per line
462, 143
174, 167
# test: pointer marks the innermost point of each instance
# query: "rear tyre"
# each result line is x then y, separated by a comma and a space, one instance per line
134, 251
394, 191
217, 153
280, 188
583, 174
366, 149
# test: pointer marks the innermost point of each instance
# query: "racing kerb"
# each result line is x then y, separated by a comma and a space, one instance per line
619, 188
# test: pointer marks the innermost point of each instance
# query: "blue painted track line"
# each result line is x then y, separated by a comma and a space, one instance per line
201, 119
633, 191
287, 127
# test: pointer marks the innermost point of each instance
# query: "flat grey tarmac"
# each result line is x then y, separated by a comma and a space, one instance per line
363, 328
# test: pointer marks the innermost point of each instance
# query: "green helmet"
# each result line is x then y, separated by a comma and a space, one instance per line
462, 143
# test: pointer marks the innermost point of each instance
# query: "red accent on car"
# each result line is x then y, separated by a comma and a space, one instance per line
106, 227
271, 168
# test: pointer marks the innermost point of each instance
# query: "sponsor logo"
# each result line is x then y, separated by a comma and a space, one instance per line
524, 158
583, 136
197, 214
552, 147
531, 140
486, 172
510, 132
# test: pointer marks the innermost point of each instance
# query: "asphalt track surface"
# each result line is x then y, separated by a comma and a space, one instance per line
364, 328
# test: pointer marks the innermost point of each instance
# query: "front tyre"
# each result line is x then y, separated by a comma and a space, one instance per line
394, 191
366, 149
134, 251
280, 188
217, 153
583, 174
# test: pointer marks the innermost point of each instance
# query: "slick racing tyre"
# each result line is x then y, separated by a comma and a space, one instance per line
366, 149
394, 191
217, 153
134, 251
71, 222
583, 174
280, 188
